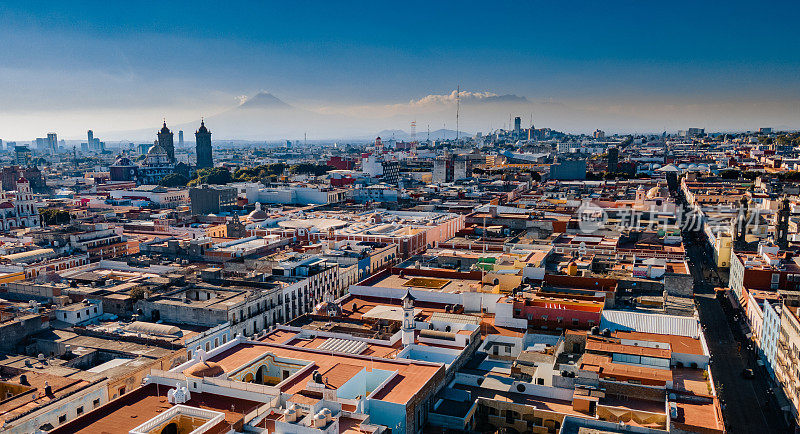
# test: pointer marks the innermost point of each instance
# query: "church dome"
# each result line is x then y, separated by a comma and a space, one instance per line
257, 215
205, 369
123, 161
156, 149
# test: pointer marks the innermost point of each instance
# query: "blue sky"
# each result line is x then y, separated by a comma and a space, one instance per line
121, 64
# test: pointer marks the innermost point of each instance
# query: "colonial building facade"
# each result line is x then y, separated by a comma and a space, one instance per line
18, 208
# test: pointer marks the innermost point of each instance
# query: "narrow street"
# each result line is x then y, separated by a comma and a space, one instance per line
747, 404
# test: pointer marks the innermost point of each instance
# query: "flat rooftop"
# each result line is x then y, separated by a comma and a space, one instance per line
142, 404
402, 388
443, 284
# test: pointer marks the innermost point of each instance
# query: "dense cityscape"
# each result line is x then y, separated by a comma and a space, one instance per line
521, 280
385, 218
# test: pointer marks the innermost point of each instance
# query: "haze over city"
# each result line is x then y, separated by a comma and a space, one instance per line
438, 217
346, 71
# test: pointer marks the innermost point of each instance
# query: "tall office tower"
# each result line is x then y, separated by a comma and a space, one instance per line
52, 142
613, 159
22, 155
203, 147
180, 138
165, 140
517, 126
90, 136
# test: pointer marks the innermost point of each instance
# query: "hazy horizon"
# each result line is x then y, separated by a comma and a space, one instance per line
353, 70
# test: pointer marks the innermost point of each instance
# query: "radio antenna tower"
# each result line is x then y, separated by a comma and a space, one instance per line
458, 107
414, 137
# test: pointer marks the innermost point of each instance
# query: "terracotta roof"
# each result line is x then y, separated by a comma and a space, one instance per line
140, 405
205, 369
614, 347
339, 374
606, 368
411, 376
677, 344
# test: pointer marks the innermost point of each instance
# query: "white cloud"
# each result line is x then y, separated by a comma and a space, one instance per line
466, 97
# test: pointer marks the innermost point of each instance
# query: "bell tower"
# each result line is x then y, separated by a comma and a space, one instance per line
408, 319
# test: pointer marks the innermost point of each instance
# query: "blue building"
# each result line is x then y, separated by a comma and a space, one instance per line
568, 170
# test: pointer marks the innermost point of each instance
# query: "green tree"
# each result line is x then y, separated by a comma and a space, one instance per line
211, 175
53, 216
174, 180
310, 169
137, 293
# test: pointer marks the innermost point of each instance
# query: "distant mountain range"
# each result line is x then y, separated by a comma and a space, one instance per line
265, 117
440, 134
264, 100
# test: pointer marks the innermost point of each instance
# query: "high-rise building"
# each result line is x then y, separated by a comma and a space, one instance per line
613, 159
517, 127
180, 138
211, 199
166, 141
391, 172
202, 139
443, 168
599, 134
52, 143
22, 155
93, 143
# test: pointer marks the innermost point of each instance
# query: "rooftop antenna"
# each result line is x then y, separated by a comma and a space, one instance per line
458, 107
414, 137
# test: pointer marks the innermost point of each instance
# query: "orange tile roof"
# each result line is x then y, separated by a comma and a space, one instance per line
140, 405
279, 336
677, 344
24, 402
411, 376
699, 417
339, 374
607, 368
613, 347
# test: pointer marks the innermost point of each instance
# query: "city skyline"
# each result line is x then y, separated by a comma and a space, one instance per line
625, 67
